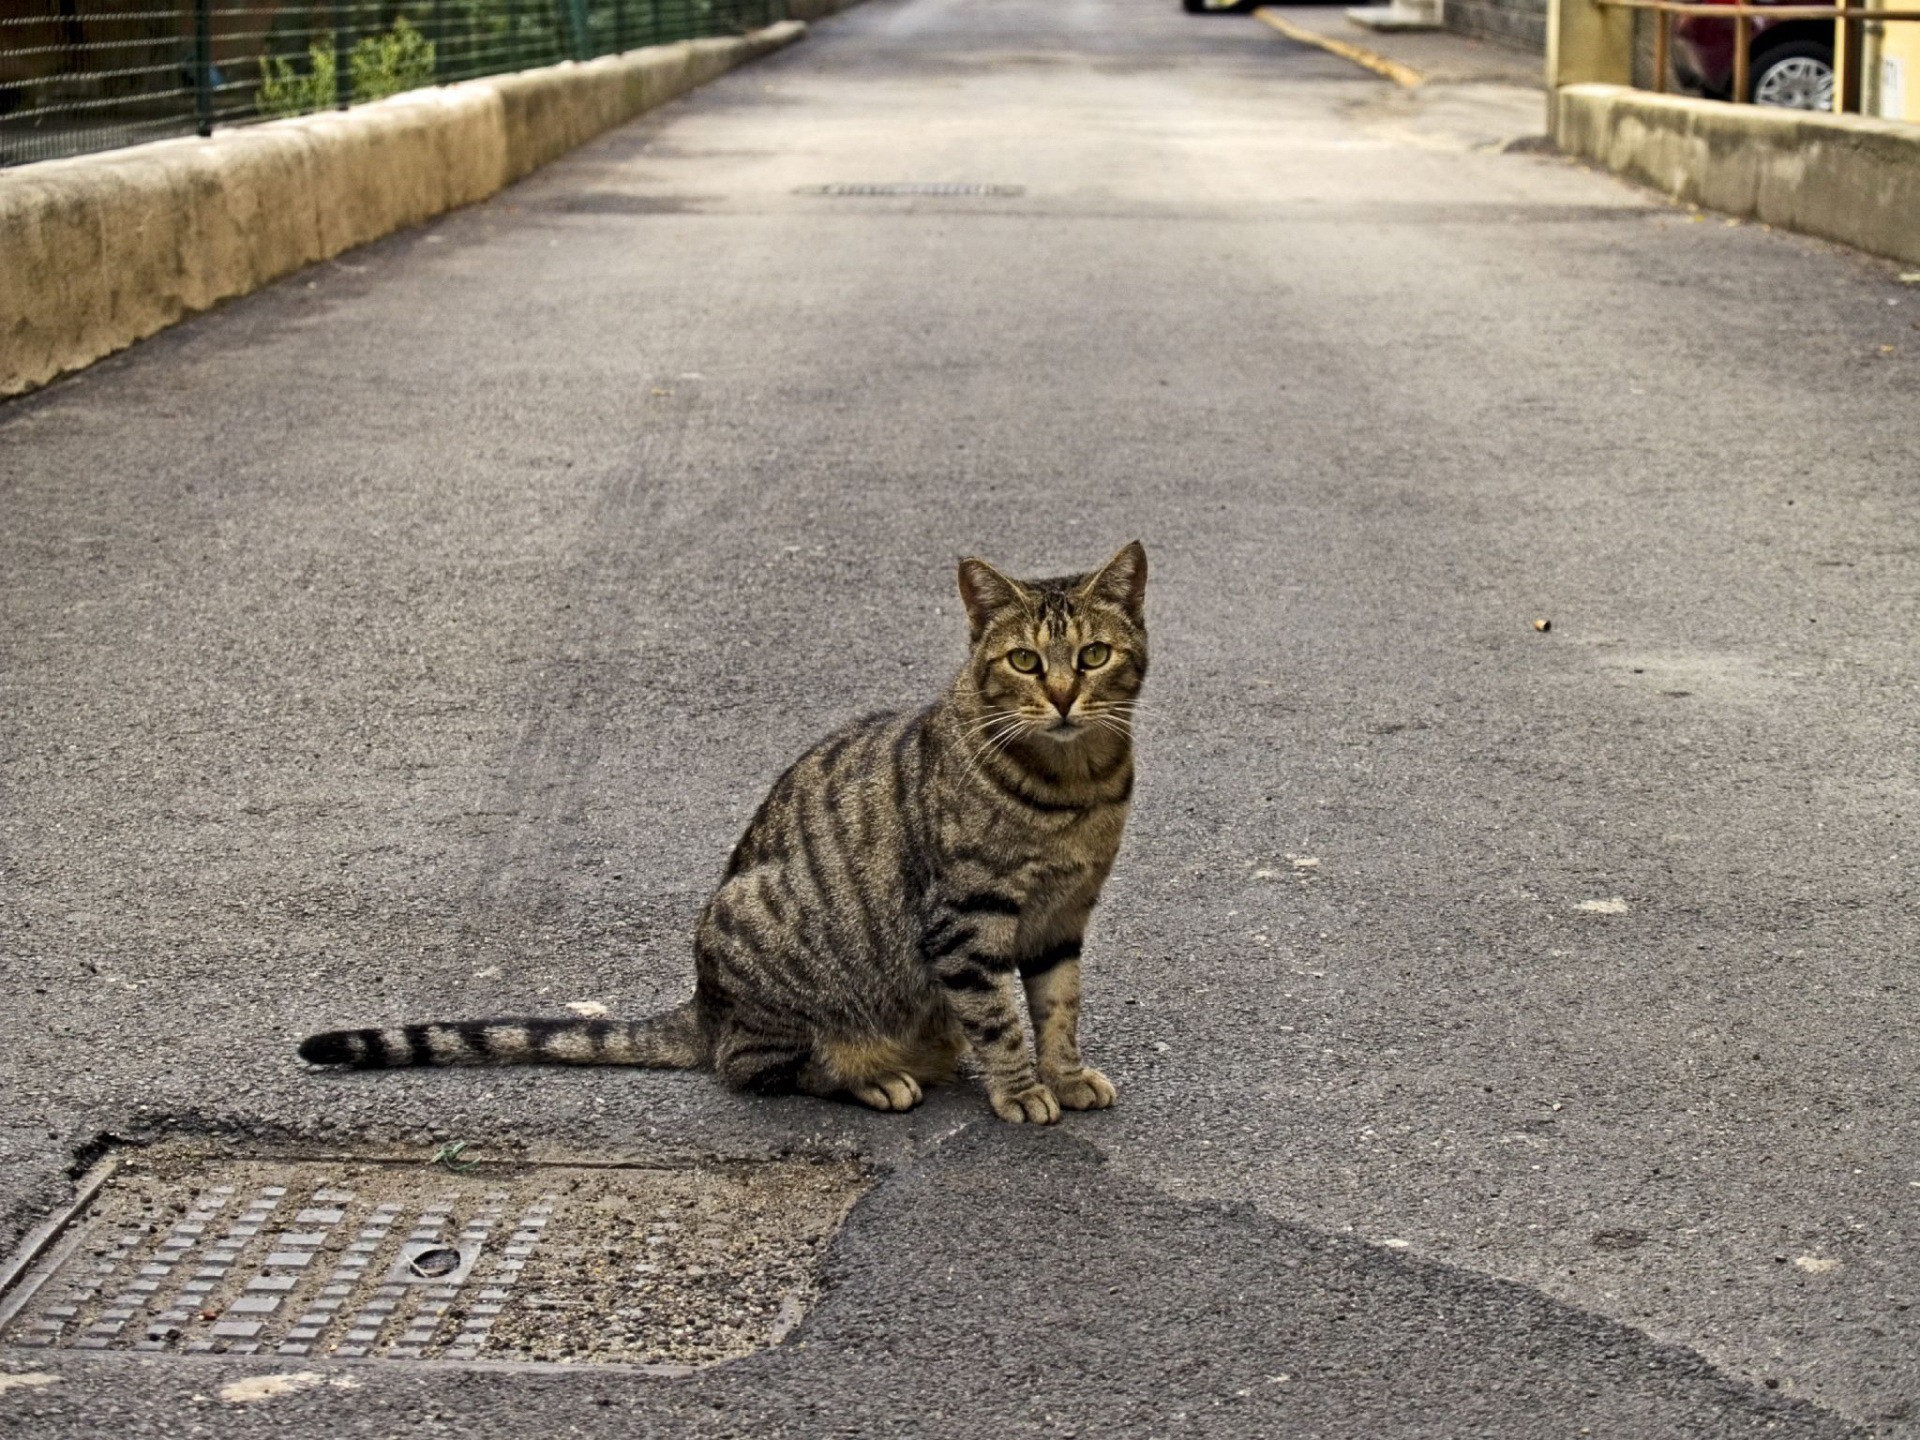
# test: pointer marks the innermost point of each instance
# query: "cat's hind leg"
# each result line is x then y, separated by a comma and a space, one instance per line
935, 1053
762, 1063
878, 1072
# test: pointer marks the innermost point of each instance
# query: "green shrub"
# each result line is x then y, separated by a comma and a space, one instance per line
286, 90
401, 59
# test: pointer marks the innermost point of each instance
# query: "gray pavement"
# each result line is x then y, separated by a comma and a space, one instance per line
1511, 1026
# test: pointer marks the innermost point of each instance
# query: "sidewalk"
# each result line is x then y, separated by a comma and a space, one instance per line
1409, 58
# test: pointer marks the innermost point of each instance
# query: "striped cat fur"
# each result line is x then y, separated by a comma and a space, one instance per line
902, 885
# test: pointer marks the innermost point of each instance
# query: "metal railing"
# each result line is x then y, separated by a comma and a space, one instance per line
1847, 22
84, 75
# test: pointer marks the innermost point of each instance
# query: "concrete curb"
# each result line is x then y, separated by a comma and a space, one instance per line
1840, 177
103, 250
1404, 76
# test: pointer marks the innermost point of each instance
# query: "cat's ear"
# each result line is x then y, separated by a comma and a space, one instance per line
985, 592
1122, 581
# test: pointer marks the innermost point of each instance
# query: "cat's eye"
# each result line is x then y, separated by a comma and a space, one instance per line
1093, 656
1025, 661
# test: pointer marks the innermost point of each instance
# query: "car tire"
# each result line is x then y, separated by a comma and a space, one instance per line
1795, 76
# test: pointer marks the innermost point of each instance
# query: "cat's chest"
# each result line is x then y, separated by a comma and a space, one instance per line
1062, 868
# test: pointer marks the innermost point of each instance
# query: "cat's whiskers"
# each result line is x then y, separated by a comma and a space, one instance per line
1115, 714
1024, 725
991, 717
1011, 725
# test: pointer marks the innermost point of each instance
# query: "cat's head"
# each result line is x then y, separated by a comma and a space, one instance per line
1058, 658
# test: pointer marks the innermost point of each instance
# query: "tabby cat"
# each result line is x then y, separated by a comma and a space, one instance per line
900, 884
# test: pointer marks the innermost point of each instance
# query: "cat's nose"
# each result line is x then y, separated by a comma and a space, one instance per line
1063, 699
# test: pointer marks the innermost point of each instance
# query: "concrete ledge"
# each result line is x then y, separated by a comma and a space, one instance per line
104, 250
1841, 177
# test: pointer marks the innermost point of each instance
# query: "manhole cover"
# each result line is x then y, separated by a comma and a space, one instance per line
535, 1263
941, 189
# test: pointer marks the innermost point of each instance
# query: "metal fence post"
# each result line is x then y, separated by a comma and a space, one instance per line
1849, 63
342, 57
1742, 53
203, 66
577, 22
439, 24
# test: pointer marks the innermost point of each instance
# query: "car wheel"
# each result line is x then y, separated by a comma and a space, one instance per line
1194, 7
1795, 76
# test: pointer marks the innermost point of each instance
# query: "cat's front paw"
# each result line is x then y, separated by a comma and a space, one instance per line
1083, 1089
1032, 1105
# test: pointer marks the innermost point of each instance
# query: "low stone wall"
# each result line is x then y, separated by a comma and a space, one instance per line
101, 251
1841, 177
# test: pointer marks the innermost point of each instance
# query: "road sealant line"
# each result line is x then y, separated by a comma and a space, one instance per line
1404, 76
103, 250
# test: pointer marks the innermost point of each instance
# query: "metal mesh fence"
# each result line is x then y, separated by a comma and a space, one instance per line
81, 75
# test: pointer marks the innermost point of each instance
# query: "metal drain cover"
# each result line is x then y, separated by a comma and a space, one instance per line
534, 1263
940, 189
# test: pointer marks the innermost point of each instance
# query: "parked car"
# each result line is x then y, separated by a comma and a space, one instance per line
1218, 7
1789, 62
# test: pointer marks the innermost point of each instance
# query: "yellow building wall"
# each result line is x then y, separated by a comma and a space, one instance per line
1893, 70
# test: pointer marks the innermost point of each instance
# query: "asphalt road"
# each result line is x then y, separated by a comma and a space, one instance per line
1510, 1025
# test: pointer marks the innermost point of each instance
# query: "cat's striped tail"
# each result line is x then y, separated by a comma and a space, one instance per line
673, 1040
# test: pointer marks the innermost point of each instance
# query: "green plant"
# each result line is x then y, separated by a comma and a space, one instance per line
449, 1156
401, 59
380, 65
286, 90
